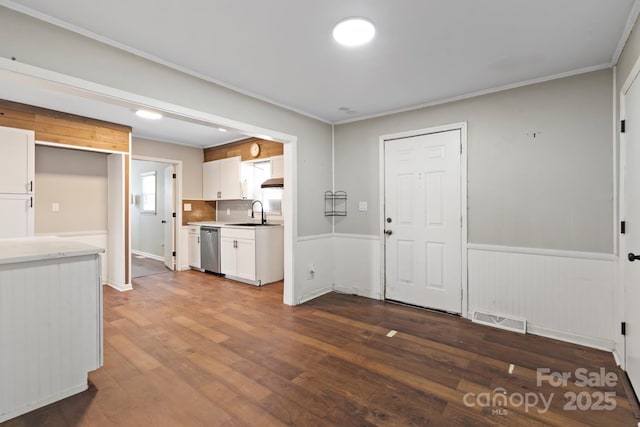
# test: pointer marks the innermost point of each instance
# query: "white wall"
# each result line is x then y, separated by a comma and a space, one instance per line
77, 181
191, 157
74, 55
540, 207
552, 191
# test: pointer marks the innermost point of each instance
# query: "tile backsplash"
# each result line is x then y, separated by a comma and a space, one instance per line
233, 210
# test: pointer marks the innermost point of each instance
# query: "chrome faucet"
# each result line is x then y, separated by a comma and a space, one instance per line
263, 218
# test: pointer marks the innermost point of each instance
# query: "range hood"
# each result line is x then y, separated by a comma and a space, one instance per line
273, 183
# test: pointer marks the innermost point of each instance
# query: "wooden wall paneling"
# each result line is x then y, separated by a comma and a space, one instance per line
63, 128
241, 148
200, 211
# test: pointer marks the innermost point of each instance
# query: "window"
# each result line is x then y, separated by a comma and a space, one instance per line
253, 175
148, 196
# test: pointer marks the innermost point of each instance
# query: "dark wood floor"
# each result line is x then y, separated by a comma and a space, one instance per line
189, 349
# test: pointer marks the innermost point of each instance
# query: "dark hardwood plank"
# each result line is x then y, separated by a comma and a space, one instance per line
191, 349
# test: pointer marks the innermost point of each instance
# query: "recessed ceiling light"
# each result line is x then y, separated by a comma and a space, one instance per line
145, 114
222, 129
354, 31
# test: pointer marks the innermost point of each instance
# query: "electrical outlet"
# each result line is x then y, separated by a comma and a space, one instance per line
187, 207
228, 212
362, 206
55, 207
311, 272
249, 213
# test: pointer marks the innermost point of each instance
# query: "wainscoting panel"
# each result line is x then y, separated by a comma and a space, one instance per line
316, 252
356, 265
563, 295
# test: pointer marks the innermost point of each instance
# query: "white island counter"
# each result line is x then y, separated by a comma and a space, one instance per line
50, 321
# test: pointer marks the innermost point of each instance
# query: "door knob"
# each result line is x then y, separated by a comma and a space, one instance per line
632, 257
388, 232
164, 222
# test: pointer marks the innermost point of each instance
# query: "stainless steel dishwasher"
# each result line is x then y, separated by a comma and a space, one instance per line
210, 249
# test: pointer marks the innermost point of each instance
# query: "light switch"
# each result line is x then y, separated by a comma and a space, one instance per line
362, 206
187, 207
55, 207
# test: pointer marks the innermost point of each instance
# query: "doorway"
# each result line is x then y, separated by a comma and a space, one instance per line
424, 218
153, 217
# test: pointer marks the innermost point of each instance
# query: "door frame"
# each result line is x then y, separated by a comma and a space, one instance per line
177, 226
462, 126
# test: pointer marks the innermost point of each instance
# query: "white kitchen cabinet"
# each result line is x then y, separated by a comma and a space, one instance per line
17, 215
211, 184
238, 253
17, 165
221, 179
230, 177
277, 167
252, 255
17, 148
194, 247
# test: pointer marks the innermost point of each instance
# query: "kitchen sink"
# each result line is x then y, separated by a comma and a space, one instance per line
251, 224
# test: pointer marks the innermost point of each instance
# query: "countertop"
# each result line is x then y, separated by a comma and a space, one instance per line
227, 225
42, 248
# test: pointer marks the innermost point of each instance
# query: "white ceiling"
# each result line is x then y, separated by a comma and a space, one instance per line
425, 51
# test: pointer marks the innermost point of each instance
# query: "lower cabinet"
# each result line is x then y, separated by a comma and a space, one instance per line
254, 256
238, 253
194, 246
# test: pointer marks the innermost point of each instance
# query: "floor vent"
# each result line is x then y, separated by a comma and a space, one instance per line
509, 323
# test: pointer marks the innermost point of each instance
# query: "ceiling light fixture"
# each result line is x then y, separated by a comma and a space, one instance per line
145, 114
222, 129
354, 31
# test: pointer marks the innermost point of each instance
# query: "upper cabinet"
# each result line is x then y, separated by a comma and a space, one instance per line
211, 183
17, 153
277, 167
16, 160
221, 179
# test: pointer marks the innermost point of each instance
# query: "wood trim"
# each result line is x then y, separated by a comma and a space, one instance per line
241, 148
63, 128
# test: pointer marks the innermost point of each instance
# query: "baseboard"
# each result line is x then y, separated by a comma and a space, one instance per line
357, 291
315, 294
148, 255
121, 288
597, 343
617, 358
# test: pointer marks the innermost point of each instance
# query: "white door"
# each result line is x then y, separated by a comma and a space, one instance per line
423, 221
631, 238
169, 221
16, 160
